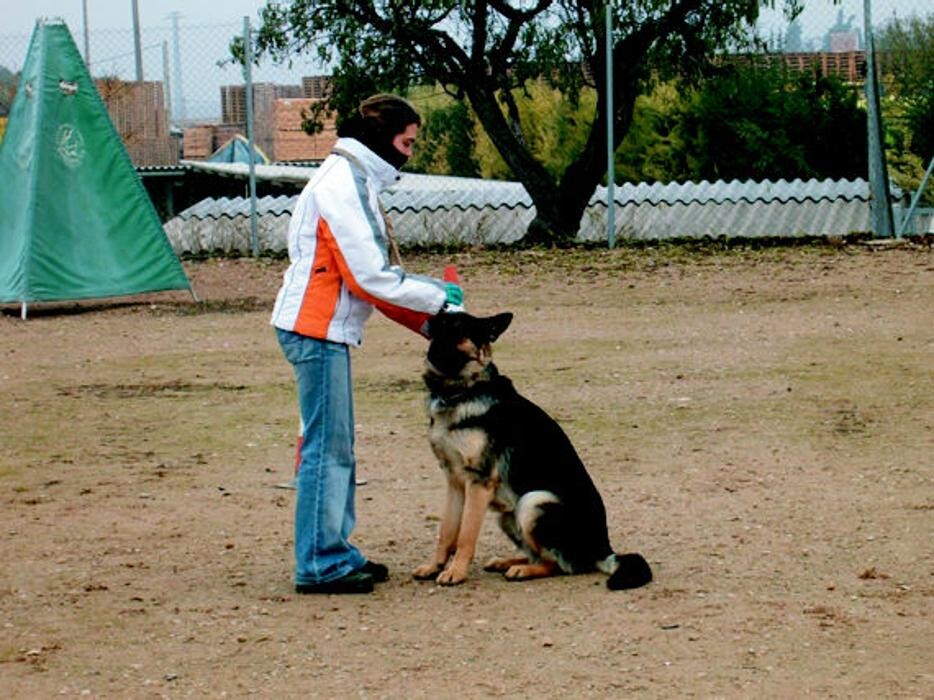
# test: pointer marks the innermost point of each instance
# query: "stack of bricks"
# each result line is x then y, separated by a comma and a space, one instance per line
849, 66
202, 140
265, 99
198, 142
137, 110
277, 119
290, 142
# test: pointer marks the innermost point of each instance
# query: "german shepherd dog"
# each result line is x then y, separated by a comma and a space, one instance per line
499, 450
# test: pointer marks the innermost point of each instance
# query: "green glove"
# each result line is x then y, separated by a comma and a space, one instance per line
454, 301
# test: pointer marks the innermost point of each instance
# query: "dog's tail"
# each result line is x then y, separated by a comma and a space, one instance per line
626, 571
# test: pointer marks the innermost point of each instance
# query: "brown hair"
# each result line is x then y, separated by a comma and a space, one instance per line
379, 119
391, 112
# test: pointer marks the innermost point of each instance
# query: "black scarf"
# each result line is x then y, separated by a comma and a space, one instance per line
377, 138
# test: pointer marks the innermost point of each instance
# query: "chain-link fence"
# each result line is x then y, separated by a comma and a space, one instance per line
174, 92
189, 69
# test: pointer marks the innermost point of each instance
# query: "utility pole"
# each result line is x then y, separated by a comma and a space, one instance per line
166, 83
138, 51
610, 154
87, 35
177, 71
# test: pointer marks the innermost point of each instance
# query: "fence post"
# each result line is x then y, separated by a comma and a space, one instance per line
87, 35
137, 48
248, 90
880, 202
610, 155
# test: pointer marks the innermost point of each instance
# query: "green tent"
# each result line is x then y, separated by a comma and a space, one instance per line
75, 220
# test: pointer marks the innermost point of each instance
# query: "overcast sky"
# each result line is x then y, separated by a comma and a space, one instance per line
207, 27
19, 16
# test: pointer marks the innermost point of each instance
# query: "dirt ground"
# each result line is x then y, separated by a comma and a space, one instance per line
759, 422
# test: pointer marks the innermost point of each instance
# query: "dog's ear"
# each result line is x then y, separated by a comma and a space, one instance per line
497, 324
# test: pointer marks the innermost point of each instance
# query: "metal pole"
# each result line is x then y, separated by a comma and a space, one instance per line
610, 151
880, 201
137, 48
87, 35
166, 83
248, 89
903, 225
177, 73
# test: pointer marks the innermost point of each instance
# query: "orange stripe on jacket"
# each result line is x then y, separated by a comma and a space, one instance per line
413, 320
323, 290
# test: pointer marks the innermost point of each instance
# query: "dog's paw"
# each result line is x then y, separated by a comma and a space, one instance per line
523, 572
502, 564
426, 572
451, 576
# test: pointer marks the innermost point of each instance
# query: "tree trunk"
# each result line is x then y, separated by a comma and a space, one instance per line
559, 206
558, 213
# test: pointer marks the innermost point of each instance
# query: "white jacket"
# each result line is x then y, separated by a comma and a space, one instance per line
338, 250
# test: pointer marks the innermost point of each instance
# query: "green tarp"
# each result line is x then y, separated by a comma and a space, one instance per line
75, 220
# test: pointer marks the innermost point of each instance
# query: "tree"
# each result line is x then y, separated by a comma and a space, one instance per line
763, 122
447, 141
908, 46
654, 150
907, 50
488, 51
7, 90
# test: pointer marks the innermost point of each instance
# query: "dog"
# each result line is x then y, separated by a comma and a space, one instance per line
500, 451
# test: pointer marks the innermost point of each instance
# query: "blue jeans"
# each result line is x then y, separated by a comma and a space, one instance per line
324, 505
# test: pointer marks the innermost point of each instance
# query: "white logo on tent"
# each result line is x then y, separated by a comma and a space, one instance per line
70, 145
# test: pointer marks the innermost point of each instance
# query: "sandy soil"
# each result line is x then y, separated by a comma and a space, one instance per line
760, 423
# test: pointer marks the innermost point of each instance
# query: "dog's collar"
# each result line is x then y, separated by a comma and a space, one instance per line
445, 397
448, 400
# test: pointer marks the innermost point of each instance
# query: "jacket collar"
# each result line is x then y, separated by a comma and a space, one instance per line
372, 165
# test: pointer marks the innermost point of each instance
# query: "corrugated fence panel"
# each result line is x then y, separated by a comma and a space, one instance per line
430, 210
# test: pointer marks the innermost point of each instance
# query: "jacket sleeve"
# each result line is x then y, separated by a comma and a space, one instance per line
352, 230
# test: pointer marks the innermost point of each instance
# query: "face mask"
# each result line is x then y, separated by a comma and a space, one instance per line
369, 133
393, 156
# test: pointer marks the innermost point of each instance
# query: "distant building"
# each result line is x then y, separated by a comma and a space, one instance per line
843, 36
843, 42
316, 86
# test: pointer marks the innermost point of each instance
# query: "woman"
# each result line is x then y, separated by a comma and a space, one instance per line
340, 271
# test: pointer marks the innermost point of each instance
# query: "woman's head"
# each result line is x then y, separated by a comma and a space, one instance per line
387, 124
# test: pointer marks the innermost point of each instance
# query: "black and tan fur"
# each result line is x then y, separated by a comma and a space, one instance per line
499, 450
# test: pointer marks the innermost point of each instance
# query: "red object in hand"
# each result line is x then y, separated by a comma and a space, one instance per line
450, 274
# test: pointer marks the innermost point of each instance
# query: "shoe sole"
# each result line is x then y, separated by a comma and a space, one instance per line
360, 583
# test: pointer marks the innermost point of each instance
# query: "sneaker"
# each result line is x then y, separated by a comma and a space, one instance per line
379, 572
354, 582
